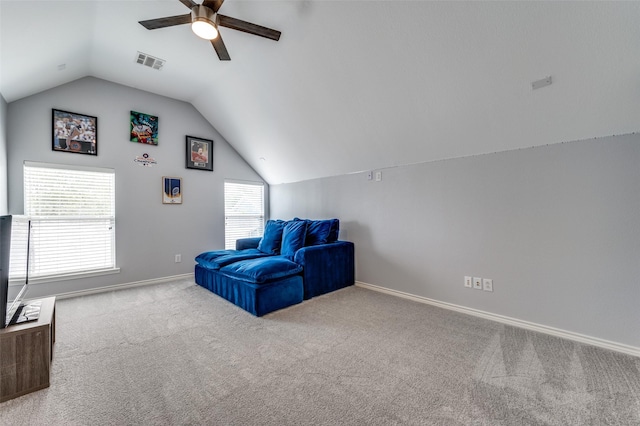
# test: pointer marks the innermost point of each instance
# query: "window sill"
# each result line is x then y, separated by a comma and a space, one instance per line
75, 276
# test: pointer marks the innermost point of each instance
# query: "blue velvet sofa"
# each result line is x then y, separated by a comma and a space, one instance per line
293, 261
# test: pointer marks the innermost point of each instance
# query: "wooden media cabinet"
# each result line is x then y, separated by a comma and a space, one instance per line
26, 351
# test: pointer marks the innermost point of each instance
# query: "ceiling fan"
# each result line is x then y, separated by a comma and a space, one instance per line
205, 20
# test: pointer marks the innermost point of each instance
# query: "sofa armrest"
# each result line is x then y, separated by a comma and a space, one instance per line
247, 243
326, 267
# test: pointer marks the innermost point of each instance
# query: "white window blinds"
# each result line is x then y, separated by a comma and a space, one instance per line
72, 212
243, 211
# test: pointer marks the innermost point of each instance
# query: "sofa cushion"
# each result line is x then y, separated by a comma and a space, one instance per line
272, 238
261, 270
206, 258
247, 243
293, 237
322, 232
218, 259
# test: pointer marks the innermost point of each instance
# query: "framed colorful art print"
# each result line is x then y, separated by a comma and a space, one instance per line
144, 128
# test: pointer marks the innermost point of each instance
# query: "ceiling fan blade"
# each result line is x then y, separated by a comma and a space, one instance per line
169, 21
247, 27
213, 4
188, 3
221, 49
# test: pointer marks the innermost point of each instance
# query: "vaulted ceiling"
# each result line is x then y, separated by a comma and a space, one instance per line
352, 85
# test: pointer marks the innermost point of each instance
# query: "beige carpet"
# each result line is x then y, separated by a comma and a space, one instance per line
176, 354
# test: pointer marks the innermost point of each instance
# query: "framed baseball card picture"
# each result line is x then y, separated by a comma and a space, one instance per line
199, 153
73, 132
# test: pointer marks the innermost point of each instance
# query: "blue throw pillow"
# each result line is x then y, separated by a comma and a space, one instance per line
334, 231
261, 270
293, 237
321, 232
272, 238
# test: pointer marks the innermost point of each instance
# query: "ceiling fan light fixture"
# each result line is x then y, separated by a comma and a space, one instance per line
202, 22
205, 30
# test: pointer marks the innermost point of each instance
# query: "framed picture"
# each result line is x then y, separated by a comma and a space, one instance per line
199, 153
73, 132
171, 190
144, 128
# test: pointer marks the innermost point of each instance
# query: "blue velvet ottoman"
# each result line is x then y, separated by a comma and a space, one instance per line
259, 286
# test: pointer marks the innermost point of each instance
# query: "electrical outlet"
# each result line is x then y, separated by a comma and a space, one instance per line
477, 283
378, 176
178, 258
468, 282
487, 284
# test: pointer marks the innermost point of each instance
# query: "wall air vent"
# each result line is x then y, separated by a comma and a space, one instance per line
150, 61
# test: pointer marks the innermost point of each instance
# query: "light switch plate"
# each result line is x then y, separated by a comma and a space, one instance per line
477, 283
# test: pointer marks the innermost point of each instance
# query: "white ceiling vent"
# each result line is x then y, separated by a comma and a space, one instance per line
150, 61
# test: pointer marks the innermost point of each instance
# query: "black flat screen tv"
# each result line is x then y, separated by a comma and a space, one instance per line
9, 304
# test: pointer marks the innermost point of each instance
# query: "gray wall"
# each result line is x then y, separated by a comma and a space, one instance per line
555, 227
3, 156
148, 233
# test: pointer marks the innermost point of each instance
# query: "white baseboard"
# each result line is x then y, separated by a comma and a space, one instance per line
123, 286
606, 344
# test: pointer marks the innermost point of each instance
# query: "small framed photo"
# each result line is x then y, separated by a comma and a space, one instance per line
199, 153
171, 190
73, 132
144, 128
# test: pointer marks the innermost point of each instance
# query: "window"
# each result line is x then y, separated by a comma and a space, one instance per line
243, 211
72, 212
